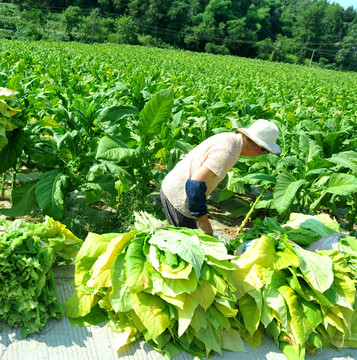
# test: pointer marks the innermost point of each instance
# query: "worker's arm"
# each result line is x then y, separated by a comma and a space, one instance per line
203, 174
196, 190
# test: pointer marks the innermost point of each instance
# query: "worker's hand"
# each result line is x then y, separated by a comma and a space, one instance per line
204, 224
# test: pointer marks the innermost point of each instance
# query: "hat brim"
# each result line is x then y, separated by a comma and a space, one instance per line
272, 148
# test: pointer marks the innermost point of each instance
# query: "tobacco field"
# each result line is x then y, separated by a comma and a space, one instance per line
110, 120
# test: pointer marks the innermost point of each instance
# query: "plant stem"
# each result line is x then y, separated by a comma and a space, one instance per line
3, 185
244, 222
13, 180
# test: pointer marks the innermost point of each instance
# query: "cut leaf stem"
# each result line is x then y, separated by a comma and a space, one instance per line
250, 212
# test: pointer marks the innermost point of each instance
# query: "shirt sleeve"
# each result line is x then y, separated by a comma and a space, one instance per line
220, 159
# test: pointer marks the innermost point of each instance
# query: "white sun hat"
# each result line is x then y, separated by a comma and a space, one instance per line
264, 133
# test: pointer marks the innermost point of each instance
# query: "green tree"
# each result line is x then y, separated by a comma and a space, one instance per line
308, 27
211, 27
103, 28
349, 14
240, 37
34, 15
118, 6
347, 55
265, 48
157, 21
308, 30
284, 50
126, 31
288, 19
28, 31
332, 23
72, 18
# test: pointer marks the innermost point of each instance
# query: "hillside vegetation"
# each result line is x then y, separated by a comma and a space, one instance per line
310, 32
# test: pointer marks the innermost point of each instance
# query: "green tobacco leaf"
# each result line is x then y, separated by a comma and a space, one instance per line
185, 315
347, 159
3, 138
205, 294
187, 247
137, 276
275, 301
149, 309
114, 169
120, 296
210, 337
94, 317
24, 200
342, 184
232, 341
258, 179
174, 268
315, 205
316, 268
80, 304
309, 227
224, 264
156, 112
92, 248
309, 148
211, 246
217, 319
299, 325
289, 161
199, 319
227, 308
12, 150
264, 204
49, 193
110, 118
100, 272
47, 122
113, 150
312, 312
184, 146
95, 245
67, 142
173, 287
38, 154
285, 191
292, 352
100, 183
225, 195
251, 315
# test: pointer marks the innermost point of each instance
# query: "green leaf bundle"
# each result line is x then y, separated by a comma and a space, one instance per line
302, 229
28, 295
304, 300
306, 229
169, 286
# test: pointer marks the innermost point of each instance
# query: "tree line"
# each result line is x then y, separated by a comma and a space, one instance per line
312, 32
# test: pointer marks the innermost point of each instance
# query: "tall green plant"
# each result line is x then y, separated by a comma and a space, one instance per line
304, 180
132, 160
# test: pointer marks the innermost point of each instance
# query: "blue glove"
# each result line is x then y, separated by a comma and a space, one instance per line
196, 193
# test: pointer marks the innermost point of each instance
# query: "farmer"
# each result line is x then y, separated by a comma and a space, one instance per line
186, 187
